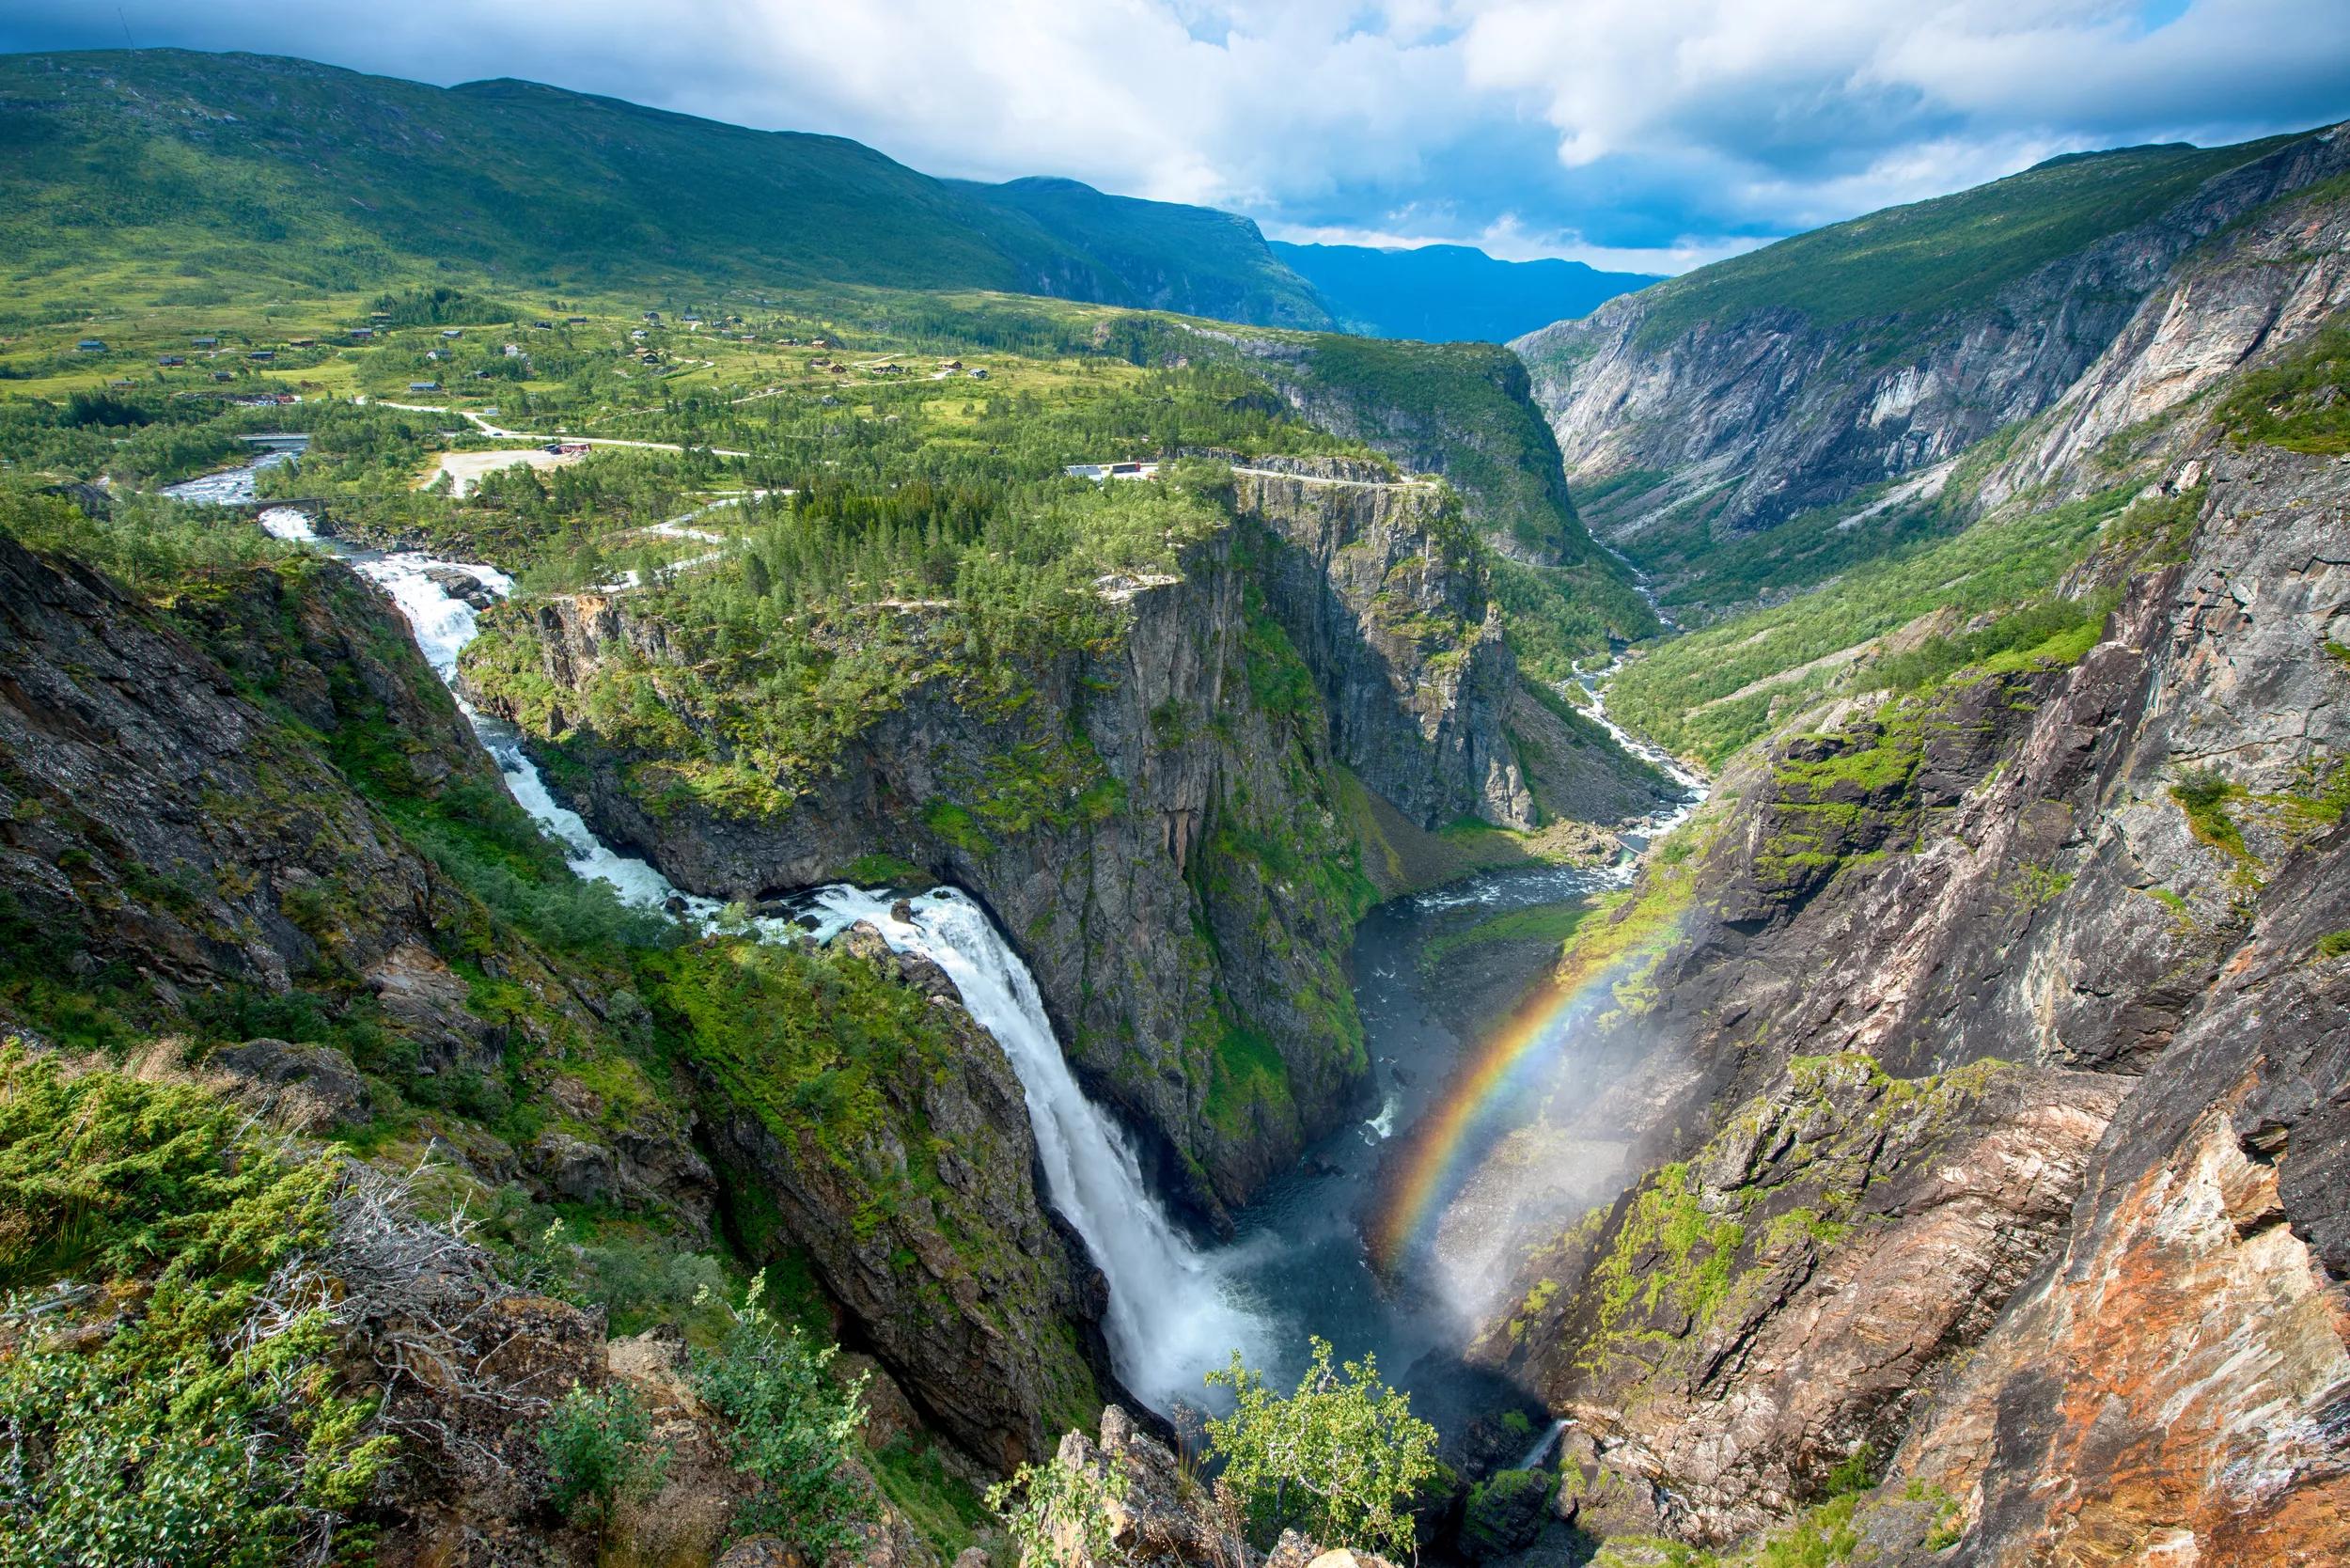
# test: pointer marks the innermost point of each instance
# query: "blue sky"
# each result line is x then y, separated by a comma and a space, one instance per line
1653, 134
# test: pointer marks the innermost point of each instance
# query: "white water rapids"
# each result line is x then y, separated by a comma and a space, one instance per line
1171, 1314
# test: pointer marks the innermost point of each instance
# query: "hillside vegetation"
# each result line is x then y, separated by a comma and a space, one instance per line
199, 178
1920, 260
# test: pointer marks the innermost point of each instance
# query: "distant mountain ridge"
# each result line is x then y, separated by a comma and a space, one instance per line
250, 167
1449, 293
1792, 379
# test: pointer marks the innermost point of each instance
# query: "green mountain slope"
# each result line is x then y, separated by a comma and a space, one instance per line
253, 171
1449, 293
1195, 260
1949, 253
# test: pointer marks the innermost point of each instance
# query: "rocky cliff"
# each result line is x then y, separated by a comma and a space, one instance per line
1379, 590
1160, 824
247, 839
1746, 413
1976, 1034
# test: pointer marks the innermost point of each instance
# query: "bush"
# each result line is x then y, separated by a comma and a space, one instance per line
1340, 1459
1060, 1516
198, 1420
794, 1429
599, 1448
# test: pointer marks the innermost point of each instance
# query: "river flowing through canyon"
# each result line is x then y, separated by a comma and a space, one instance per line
1297, 1265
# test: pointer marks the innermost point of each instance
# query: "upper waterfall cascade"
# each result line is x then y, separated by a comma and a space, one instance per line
1171, 1312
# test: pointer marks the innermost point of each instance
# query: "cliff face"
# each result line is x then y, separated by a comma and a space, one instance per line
211, 822
1010, 1363
1753, 417
1995, 1027
1186, 918
1379, 590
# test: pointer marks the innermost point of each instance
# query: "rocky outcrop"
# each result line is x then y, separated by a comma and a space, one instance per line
2073, 909
1379, 589
185, 833
1186, 914
933, 1233
2274, 277
1784, 1298
1765, 413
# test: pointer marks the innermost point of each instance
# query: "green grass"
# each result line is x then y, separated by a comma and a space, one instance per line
243, 176
2302, 403
1245, 1073
1954, 252
1710, 693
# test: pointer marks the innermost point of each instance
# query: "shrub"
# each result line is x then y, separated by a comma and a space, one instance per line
1059, 1514
794, 1429
599, 1448
204, 1423
1339, 1460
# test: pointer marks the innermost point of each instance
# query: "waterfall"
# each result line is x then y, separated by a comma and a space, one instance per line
1541, 1451
1170, 1318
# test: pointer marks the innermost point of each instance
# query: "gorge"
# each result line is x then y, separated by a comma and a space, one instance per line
1742, 900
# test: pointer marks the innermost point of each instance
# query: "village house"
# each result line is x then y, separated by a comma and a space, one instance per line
169, 359
91, 345
205, 342
451, 332
424, 386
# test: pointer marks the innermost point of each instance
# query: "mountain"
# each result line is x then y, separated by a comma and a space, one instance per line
1748, 393
1449, 293
253, 171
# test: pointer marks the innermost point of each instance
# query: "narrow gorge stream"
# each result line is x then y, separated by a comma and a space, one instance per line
1298, 1266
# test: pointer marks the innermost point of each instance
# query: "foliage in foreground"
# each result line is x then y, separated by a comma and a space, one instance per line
204, 1424
793, 1426
1058, 1514
598, 1449
1340, 1459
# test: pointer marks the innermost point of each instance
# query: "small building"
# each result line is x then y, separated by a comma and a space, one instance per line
362, 334
575, 321
513, 351
302, 342
262, 355
653, 316
452, 332
424, 386
223, 375
434, 354
170, 359
978, 372
542, 326
91, 345
205, 342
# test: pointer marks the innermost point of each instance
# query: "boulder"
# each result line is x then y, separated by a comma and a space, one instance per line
303, 1088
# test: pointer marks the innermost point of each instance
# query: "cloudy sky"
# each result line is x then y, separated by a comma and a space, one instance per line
1646, 134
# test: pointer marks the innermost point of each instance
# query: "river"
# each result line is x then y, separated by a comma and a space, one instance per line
1297, 1265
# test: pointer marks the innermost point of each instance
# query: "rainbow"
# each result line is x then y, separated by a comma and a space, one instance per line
1444, 1146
